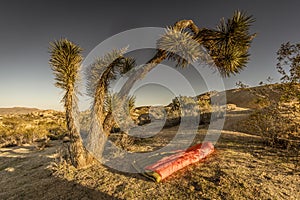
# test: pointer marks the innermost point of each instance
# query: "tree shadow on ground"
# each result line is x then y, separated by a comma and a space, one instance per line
25, 174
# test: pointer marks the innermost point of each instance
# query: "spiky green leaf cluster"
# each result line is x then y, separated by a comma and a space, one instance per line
120, 109
180, 46
96, 69
228, 44
65, 62
100, 74
113, 103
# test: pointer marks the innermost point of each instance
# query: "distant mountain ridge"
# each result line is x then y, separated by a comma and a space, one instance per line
245, 98
18, 110
241, 97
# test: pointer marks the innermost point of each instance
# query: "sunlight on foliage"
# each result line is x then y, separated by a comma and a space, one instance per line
180, 46
229, 43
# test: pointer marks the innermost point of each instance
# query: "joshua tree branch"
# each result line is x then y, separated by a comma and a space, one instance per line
151, 64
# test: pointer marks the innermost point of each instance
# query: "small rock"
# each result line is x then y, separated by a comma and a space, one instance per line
66, 139
267, 177
192, 188
230, 106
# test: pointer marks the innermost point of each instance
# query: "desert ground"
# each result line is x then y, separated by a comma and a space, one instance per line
242, 167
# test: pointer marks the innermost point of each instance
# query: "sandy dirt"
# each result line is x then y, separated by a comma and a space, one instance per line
26, 174
241, 168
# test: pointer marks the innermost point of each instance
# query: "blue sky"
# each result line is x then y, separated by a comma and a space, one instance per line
27, 27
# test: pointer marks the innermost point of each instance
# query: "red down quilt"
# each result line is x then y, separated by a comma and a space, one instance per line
170, 164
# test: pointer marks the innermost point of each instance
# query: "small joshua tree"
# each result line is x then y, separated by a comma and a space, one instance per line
65, 62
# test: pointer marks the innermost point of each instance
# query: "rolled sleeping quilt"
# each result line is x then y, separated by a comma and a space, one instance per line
170, 164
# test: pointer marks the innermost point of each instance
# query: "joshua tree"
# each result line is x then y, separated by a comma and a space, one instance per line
227, 45
100, 74
65, 62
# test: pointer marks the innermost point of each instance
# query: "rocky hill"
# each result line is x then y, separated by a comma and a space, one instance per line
17, 110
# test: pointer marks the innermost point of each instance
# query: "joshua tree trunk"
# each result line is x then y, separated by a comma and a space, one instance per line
97, 136
78, 154
108, 123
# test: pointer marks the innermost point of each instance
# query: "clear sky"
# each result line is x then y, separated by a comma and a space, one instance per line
28, 26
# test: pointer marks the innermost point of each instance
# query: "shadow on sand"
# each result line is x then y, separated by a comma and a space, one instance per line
25, 175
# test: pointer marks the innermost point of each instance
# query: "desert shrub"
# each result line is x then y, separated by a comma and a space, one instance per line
123, 112
277, 119
241, 85
272, 126
123, 140
27, 128
189, 106
278, 122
